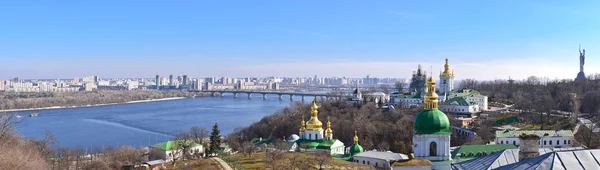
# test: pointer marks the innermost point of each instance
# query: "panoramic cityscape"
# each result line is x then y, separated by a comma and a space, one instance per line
299, 85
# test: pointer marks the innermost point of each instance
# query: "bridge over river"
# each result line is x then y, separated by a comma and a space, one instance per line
280, 94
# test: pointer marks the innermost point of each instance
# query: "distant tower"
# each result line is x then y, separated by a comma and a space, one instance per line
510, 80
185, 79
581, 75
171, 80
157, 79
446, 79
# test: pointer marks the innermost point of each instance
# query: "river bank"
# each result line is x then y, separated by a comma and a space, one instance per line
94, 105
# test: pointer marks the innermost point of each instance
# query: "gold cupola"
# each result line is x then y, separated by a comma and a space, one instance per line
328, 132
302, 125
431, 99
355, 138
447, 72
314, 124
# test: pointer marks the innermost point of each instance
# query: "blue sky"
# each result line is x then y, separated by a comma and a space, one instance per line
114, 38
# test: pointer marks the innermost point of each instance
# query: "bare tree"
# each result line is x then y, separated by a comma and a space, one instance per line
273, 157
399, 86
199, 134
469, 83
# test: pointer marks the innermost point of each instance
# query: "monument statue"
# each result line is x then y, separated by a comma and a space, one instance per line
581, 75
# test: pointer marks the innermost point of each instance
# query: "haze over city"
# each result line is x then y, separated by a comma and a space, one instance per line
483, 40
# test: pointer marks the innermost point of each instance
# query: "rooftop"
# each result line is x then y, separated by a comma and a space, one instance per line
170, 145
515, 133
468, 152
579, 159
389, 156
413, 162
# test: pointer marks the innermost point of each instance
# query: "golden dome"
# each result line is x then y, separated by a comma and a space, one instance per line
328, 131
447, 72
355, 138
431, 99
314, 123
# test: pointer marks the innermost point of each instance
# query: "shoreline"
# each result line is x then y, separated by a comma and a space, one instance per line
93, 105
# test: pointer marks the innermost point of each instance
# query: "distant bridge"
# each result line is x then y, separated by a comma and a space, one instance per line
280, 94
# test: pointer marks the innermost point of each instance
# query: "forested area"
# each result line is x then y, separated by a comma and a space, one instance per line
15, 100
377, 129
392, 130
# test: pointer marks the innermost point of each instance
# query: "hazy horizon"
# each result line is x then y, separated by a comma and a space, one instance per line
483, 40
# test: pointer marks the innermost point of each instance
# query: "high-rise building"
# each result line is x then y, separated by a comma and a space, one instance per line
163, 81
157, 82
2, 85
171, 81
185, 79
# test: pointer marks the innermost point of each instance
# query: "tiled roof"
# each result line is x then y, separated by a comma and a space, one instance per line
464, 152
516, 133
578, 160
470, 93
505, 157
460, 100
388, 156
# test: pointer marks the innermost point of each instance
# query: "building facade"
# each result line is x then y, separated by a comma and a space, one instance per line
431, 139
548, 138
446, 79
313, 138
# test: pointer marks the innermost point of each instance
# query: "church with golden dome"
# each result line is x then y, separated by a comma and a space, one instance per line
431, 138
313, 138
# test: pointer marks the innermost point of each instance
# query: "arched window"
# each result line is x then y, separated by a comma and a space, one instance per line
545, 143
514, 142
557, 142
565, 142
432, 149
501, 142
316, 137
309, 137
550, 142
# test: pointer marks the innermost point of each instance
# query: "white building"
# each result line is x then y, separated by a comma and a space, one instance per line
431, 139
90, 86
471, 96
548, 138
313, 138
446, 84
170, 151
460, 105
132, 85
379, 160
356, 96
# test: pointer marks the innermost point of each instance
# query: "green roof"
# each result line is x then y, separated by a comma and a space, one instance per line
464, 151
315, 144
460, 100
355, 149
516, 133
258, 141
469, 93
170, 145
432, 122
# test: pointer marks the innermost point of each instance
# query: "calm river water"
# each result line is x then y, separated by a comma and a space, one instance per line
143, 124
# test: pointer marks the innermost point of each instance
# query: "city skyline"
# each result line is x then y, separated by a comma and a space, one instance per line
483, 40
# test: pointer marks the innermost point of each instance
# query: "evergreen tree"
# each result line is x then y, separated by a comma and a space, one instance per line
215, 139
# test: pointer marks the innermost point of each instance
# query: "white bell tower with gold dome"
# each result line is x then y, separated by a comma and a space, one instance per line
446, 79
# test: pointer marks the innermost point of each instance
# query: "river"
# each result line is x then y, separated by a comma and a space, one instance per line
143, 124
